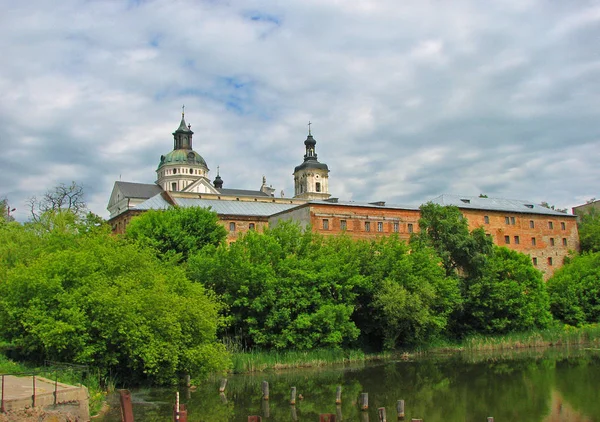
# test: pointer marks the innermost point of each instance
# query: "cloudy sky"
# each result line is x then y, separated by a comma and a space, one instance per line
408, 99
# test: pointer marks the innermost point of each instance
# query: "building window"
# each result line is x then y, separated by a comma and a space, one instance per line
486, 219
379, 226
367, 226
531, 224
343, 224
191, 171
410, 228
318, 186
517, 240
507, 240
551, 241
174, 171
507, 220
251, 226
564, 241
174, 186
513, 220
549, 260
533, 241
396, 227
325, 224
534, 259
231, 227
563, 226
550, 225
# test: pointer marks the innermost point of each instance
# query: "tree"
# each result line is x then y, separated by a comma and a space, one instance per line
284, 288
589, 231
177, 231
552, 207
446, 230
60, 198
574, 290
113, 305
509, 295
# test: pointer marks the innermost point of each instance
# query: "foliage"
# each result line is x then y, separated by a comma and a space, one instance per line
60, 198
445, 229
89, 298
589, 231
177, 231
509, 295
284, 288
409, 293
575, 290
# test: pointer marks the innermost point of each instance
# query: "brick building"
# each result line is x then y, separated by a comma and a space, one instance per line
546, 235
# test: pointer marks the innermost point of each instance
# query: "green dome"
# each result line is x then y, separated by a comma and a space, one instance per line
182, 156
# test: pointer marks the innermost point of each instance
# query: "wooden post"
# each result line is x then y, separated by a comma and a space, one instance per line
294, 413
338, 412
55, 389
382, 416
338, 395
33, 397
254, 419
400, 409
326, 417
293, 396
223, 385
265, 409
364, 416
188, 381
265, 390
2, 398
126, 409
223, 398
177, 406
364, 401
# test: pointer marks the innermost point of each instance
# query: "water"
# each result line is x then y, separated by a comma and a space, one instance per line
550, 385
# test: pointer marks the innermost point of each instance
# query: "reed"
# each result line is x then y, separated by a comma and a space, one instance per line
557, 336
257, 361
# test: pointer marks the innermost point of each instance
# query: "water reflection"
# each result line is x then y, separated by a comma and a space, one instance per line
550, 385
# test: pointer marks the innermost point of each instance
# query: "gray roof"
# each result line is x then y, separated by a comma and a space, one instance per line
138, 190
242, 208
366, 205
242, 192
497, 204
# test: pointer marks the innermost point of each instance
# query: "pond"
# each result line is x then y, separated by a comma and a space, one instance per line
531, 385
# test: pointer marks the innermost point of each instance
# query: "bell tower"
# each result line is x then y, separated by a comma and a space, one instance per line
311, 178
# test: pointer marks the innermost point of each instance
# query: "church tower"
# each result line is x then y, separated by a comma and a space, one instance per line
183, 169
311, 178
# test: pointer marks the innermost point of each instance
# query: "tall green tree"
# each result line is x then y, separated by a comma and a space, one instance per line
589, 231
178, 231
446, 230
509, 295
575, 290
284, 288
84, 296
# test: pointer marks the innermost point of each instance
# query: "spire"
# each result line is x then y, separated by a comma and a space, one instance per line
218, 182
309, 123
183, 134
310, 145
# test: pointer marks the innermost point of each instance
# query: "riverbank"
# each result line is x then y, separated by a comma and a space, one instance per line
258, 361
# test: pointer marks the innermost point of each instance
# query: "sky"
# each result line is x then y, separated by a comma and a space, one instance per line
408, 99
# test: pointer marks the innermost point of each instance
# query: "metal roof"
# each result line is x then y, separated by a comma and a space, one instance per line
242, 192
366, 205
496, 204
138, 190
221, 207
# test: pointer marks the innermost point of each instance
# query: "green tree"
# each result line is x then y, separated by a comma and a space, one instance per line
284, 288
177, 231
574, 290
90, 298
589, 231
446, 230
509, 295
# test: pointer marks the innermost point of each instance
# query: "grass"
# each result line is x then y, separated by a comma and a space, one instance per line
257, 361
558, 336
96, 388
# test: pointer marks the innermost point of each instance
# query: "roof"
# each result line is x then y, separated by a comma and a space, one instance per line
497, 204
182, 156
366, 205
138, 190
242, 208
242, 192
